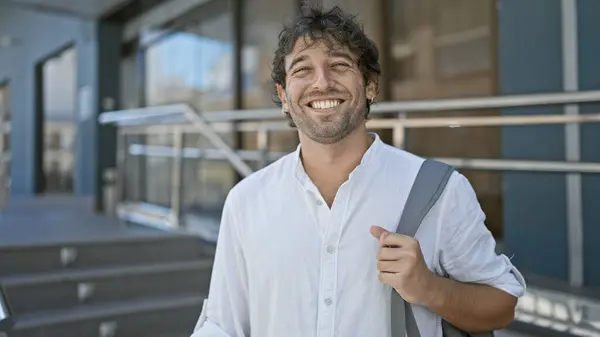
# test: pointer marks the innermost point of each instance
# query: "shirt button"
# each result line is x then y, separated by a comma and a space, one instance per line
330, 249
328, 301
319, 202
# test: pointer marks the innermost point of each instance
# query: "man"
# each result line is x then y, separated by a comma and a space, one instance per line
307, 245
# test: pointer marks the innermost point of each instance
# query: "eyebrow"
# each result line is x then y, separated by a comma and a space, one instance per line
343, 55
296, 61
339, 54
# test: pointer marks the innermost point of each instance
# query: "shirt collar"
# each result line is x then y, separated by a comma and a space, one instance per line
369, 158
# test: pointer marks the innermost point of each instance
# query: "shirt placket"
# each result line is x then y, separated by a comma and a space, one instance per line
328, 285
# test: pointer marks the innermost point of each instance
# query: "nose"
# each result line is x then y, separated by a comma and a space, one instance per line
323, 79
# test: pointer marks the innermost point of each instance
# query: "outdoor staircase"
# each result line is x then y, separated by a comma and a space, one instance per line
140, 286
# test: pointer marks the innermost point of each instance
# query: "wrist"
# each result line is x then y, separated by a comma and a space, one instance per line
437, 293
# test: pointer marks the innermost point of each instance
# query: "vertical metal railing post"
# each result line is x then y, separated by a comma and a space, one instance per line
176, 177
399, 132
121, 167
263, 146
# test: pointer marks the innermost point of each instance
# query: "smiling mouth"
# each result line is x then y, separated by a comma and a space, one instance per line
325, 104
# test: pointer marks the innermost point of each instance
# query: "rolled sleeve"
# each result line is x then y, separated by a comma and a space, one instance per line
225, 311
467, 249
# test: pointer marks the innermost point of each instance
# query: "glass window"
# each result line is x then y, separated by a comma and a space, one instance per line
193, 65
192, 62
442, 50
130, 92
446, 49
263, 20
462, 37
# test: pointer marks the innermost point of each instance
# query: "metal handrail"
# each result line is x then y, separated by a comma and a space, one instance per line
465, 163
428, 105
125, 117
428, 122
166, 114
179, 119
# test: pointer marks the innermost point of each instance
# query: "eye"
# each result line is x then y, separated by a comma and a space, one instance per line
299, 70
340, 65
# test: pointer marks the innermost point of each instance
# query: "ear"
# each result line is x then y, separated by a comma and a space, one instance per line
282, 97
372, 88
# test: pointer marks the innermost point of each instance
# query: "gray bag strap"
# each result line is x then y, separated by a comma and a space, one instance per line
426, 190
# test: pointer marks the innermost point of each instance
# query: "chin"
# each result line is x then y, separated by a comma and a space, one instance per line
328, 134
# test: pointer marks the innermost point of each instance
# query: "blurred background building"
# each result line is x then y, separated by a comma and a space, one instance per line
63, 63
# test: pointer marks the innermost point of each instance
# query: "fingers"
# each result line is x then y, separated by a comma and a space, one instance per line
396, 240
389, 254
397, 253
377, 231
387, 278
387, 238
395, 260
389, 266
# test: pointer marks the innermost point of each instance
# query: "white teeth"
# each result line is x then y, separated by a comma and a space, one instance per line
326, 104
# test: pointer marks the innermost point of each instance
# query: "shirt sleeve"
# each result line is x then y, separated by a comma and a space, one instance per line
467, 247
225, 312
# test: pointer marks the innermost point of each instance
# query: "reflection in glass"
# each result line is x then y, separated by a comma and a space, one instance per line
206, 183
133, 166
445, 49
129, 83
159, 168
262, 24
193, 65
59, 83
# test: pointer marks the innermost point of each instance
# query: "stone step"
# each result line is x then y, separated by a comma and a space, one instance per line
166, 248
157, 317
73, 288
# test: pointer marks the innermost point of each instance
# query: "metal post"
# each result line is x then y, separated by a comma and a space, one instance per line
121, 167
399, 132
176, 177
572, 147
263, 147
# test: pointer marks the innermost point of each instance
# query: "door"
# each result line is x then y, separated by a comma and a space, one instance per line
58, 80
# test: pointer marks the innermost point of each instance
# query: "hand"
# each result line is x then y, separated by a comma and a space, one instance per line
401, 265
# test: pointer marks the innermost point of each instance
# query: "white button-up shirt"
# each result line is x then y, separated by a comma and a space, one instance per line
287, 265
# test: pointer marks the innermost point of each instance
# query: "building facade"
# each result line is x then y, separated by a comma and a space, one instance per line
216, 55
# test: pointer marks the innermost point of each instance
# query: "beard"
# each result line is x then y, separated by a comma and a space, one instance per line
332, 127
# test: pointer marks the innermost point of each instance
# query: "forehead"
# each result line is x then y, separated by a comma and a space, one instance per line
308, 48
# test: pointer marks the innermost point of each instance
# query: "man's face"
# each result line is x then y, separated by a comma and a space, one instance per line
325, 91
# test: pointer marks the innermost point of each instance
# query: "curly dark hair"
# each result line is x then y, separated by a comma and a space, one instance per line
331, 27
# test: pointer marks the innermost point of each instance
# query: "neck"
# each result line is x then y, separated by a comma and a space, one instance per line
340, 158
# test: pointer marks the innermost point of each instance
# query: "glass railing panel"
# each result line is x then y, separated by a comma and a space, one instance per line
207, 177
149, 167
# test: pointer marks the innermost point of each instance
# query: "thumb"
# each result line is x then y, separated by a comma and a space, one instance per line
377, 231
